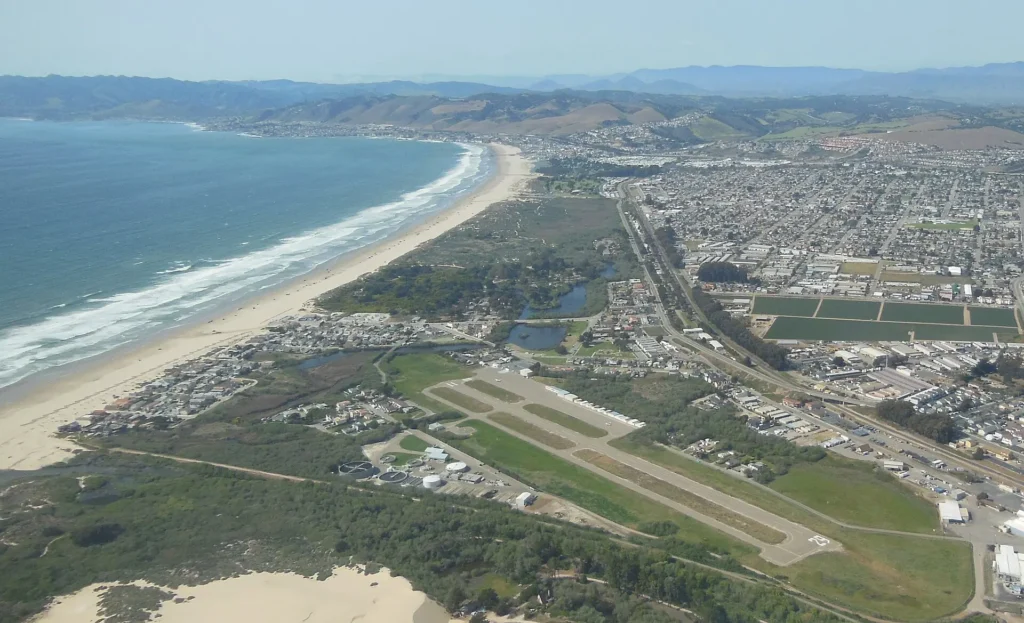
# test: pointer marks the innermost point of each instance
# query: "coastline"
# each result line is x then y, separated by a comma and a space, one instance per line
28, 424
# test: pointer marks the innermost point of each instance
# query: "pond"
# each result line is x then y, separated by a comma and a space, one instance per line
569, 304
536, 338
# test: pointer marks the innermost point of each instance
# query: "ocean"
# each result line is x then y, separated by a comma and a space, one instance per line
112, 232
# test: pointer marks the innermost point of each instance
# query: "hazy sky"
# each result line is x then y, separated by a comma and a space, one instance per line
339, 39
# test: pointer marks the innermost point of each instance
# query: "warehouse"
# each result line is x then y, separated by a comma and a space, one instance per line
950, 512
1008, 564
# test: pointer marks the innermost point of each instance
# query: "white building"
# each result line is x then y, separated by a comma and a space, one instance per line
949, 512
525, 499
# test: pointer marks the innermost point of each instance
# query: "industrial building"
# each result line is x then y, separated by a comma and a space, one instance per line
1007, 564
525, 499
951, 513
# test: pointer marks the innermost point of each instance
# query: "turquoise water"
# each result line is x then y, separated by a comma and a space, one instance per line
113, 231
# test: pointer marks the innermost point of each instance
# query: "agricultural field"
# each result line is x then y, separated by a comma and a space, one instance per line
993, 316
565, 420
546, 472
785, 306
494, 391
532, 431
849, 309
919, 312
458, 398
835, 330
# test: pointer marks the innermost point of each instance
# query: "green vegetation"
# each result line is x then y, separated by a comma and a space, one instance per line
166, 518
661, 401
993, 316
525, 461
784, 306
939, 427
922, 312
458, 398
411, 374
951, 226
859, 268
830, 330
566, 420
736, 329
413, 443
402, 458
494, 391
532, 431
849, 309
859, 494
692, 501
721, 272
877, 574
890, 576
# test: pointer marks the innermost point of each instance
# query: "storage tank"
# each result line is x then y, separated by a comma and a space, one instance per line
433, 482
457, 467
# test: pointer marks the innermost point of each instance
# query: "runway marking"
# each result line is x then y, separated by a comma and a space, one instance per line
819, 540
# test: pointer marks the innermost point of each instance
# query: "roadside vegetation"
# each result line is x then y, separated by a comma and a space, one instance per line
170, 523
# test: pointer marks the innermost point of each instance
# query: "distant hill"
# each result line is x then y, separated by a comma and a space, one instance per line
1001, 83
98, 97
526, 113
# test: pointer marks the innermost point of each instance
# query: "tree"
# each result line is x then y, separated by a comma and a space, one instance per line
721, 272
487, 597
453, 600
478, 617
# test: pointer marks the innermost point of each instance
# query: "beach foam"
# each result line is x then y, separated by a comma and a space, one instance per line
183, 292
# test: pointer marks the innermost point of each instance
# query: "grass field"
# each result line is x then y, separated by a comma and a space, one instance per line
891, 576
505, 588
859, 268
565, 420
668, 490
785, 306
955, 225
413, 373
830, 330
856, 493
918, 312
903, 578
851, 309
532, 431
494, 391
458, 398
993, 316
413, 443
547, 472
401, 458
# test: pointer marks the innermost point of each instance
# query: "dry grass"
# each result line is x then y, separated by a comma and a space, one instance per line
759, 531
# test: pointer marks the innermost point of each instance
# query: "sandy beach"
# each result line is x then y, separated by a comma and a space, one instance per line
27, 426
345, 597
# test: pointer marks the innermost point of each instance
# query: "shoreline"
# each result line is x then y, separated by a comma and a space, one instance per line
29, 422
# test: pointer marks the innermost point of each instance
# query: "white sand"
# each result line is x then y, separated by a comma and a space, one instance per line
347, 596
27, 426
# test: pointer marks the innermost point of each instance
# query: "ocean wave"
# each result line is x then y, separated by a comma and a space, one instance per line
194, 287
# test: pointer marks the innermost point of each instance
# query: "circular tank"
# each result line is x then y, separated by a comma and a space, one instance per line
393, 477
457, 467
433, 482
357, 469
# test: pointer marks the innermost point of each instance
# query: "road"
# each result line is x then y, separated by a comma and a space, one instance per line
799, 542
762, 372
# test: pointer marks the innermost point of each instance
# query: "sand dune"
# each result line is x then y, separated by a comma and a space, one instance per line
345, 597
